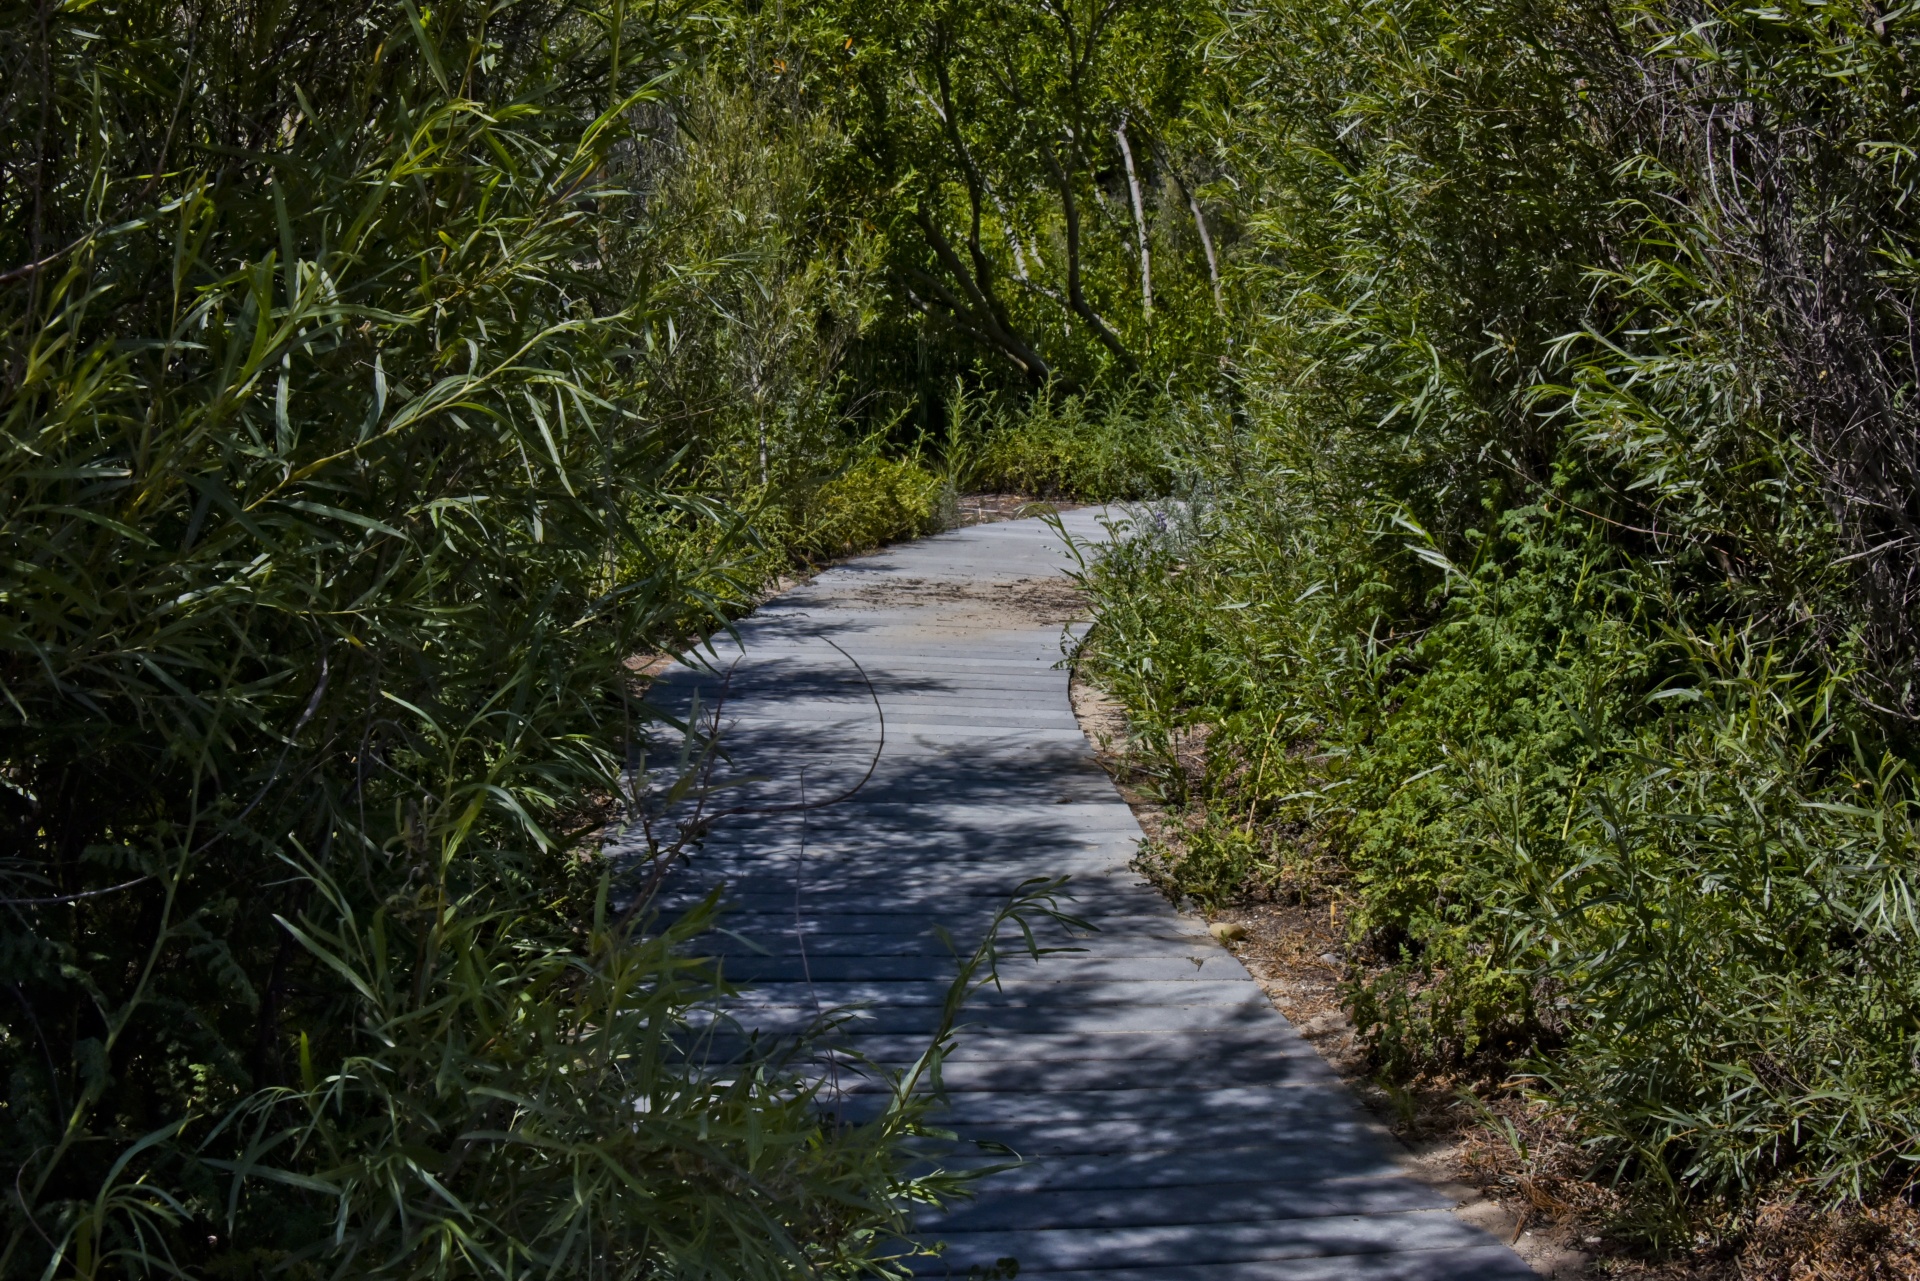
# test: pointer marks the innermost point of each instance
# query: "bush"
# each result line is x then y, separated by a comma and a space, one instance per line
1084, 445
328, 522
1656, 871
876, 500
1543, 595
1730, 941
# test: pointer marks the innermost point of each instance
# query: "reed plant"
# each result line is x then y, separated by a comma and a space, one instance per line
1542, 603
329, 515
1097, 443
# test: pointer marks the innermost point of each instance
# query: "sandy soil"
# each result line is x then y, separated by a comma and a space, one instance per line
983, 509
1037, 600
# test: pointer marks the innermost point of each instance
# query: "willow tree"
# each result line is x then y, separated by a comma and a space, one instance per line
1023, 161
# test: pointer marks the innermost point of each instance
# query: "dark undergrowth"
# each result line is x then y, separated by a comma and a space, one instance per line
344, 461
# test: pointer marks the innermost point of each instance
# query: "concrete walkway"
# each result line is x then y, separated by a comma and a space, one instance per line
1171, 1123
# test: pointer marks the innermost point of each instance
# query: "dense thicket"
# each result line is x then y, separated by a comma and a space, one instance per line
1552, 599
349, 451
1537, 378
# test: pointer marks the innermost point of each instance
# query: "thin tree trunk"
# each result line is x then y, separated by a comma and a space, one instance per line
1199, 225
1070, 208
976, 178
976, 184
986, 317
1139, 221
1076, 296
1206, 243
1013, 238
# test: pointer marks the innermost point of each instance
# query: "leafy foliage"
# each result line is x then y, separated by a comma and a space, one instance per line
331, 513
876, 499
1536, 381
1531, 606
1079, 444
1024, 170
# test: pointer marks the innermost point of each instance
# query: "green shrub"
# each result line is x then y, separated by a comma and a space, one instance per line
1729, 941
327, 521
1657, 871
1213, 864
1084, 445
876, 500
1546, 588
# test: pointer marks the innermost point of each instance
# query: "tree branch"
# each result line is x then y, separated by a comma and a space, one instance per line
1139, 219
1076, 296
1199, 222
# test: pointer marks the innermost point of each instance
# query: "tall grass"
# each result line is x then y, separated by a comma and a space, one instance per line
1545, 605
1095, 444
330, 515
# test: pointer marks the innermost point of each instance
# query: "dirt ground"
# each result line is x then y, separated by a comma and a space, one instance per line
1511, 1168
1039, 600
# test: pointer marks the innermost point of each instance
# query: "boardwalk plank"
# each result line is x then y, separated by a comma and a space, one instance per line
986, 1044
1172, 964
1060, 1249
1489, 1262
999, 1077
1168, 1123
1147, 1169
1198, 1203
1014, 993
1262, 1109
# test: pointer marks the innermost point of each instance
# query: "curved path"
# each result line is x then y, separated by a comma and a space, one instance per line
1171, 1122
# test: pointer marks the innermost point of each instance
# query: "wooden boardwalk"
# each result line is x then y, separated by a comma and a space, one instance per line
1172, 1123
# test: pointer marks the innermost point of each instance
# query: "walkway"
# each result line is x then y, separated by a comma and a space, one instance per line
1172, 1123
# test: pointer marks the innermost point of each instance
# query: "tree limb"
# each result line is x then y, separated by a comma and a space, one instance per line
1076, 296
1199, 223
1139, 219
